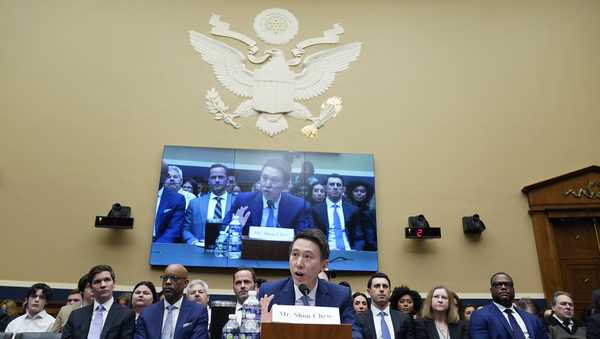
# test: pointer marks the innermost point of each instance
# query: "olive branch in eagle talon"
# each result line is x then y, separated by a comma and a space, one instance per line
216, 106
329, 110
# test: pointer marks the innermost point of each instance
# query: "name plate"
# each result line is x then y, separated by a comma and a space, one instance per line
271, 233
305, 315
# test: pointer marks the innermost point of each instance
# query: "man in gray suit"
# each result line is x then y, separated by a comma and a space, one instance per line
210, 207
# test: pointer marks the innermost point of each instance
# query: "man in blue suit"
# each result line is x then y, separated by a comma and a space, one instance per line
338, 219
271, 207
175, 317
309, 254
170, 210
501, 319
211, 206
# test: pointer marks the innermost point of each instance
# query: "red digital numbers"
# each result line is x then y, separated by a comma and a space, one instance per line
420, 233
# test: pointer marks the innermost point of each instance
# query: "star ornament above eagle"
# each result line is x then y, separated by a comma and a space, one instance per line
274, 88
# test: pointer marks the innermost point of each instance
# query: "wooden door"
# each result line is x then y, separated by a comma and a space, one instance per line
578, 246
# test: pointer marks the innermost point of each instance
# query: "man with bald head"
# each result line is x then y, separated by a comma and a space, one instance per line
175, 317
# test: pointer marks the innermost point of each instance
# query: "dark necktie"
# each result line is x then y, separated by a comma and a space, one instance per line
385, 331
271, 217
517, 332
337, 229
218, 209
567, 324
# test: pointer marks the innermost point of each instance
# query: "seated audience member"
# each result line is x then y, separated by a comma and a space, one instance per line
105, 318
259, 282
170, 209
87, 298
244, 280
309, 254
230, 183
211, 207
200, 185
467, 311
528, 306
561, 324
306, 175
271, 207
35, 318
74, 297
190, 186
360, 302
174, 314
236, 190
407, 301
338, 219
143, 295
197, 291
380, 321
124, 299
317, 193
501, 319
174, 181
440, 317
10, 311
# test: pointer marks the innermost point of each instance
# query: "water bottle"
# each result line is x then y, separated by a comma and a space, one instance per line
231, 330
221, 245
235, 238
250, 328
252, 306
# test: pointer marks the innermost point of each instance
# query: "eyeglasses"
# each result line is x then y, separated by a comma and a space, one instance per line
173, 278
498, 284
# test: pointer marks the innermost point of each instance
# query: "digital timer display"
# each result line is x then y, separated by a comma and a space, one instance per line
422, 232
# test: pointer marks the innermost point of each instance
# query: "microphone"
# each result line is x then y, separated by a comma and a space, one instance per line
303, 289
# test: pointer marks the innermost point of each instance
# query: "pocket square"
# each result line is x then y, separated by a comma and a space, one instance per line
187, 324
167, 210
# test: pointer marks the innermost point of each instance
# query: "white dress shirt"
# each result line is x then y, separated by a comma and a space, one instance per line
312, 295
517, 316
212, 203
340, 213
40, 322
377, 320
107, 305
187, 195
175, 312
265, 212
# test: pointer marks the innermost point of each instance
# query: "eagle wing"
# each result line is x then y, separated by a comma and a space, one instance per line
320, 69
227, 62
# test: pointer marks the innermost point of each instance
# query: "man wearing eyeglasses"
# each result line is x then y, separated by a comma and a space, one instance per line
271, 206
501, 319
175, 317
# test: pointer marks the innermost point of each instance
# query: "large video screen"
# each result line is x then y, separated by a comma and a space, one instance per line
220, 207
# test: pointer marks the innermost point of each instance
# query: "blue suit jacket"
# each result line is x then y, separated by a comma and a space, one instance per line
195, 217
354, 230
328, 295
490, 323
293, 211
192, 321
169, 217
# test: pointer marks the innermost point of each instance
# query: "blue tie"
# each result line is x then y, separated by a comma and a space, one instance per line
337, 229
218, 209
168, 331
96, 326
306, 300
517, 332
271, 217
385, 331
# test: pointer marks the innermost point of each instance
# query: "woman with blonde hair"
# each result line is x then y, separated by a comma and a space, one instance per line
439, 317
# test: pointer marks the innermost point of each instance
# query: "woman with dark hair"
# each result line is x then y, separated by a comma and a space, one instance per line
144, 294
190, 185
439, 317
360, 194
359, 302
317, 193
405, 300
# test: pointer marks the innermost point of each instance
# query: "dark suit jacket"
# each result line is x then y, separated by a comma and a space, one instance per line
354, 230
592, 325
293, 212
119, 323
556, 329
191, 323
426, 329
328, 294
195, 217
490, 323
169, 217
402, 323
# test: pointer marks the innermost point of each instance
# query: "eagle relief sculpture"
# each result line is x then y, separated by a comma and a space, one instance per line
274, 88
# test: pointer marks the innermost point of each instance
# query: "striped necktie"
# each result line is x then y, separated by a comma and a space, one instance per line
218, 209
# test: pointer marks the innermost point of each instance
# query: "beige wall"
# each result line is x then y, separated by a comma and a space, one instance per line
461, 102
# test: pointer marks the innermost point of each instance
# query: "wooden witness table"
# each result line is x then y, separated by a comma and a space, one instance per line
305, 331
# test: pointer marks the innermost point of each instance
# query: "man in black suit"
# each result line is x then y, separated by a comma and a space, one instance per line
104, 319
339, 220
380, 321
